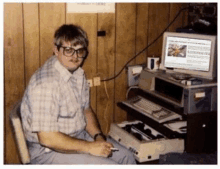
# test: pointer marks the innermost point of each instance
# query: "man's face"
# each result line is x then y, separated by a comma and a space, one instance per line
70, 62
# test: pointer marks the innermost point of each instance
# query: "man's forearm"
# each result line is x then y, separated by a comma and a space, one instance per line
92, 123
63, 143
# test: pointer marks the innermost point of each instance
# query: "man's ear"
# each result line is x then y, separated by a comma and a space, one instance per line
55, 50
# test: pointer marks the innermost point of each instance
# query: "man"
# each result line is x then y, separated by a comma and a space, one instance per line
58, 122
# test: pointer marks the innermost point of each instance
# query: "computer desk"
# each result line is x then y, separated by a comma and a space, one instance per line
201, 137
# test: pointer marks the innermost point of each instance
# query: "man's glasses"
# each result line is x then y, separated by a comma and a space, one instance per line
69, 51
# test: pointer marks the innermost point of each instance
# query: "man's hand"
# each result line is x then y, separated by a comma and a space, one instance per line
100, 148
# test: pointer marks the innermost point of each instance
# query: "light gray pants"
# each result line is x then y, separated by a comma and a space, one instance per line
40, 156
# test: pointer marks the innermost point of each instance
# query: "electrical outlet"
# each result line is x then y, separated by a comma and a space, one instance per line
89, 81
96, 81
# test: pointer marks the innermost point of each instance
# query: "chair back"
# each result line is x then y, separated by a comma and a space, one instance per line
15, 117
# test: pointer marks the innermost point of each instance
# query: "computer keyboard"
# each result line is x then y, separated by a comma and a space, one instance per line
146, 105
151, 109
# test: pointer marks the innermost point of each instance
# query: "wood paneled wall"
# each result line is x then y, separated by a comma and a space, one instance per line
28, 43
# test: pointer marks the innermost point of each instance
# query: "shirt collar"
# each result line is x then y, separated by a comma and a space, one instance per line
64, 73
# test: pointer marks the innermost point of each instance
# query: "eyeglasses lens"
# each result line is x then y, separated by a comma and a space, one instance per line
79, 52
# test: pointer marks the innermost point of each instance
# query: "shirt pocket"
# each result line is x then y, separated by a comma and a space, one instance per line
68, 109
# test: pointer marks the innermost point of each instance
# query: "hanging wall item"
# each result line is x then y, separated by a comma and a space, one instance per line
90, 7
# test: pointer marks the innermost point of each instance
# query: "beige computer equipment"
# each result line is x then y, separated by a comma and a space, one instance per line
150, 146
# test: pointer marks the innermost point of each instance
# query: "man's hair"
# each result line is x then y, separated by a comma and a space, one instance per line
70, 33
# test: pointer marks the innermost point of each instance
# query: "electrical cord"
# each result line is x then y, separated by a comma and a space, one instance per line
132, 87
145, 47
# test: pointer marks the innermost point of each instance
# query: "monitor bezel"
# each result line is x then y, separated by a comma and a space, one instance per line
211, 74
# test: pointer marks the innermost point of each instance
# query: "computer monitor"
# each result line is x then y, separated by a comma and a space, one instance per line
189, 53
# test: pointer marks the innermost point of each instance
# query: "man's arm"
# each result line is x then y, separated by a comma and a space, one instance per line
92, 126
64, 143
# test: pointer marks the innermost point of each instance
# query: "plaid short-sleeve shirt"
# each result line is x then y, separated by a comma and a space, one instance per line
55, 100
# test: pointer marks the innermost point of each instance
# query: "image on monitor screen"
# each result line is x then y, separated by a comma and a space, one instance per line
177, 50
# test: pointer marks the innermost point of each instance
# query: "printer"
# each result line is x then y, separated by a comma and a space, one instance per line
146, 143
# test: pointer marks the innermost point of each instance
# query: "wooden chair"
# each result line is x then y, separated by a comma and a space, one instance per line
15, 117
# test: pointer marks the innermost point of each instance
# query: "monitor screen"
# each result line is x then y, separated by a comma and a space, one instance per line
189, 53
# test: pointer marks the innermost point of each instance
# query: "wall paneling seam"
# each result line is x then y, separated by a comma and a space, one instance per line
65, 10
114, 63
39, 34
135, 37
22, 8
